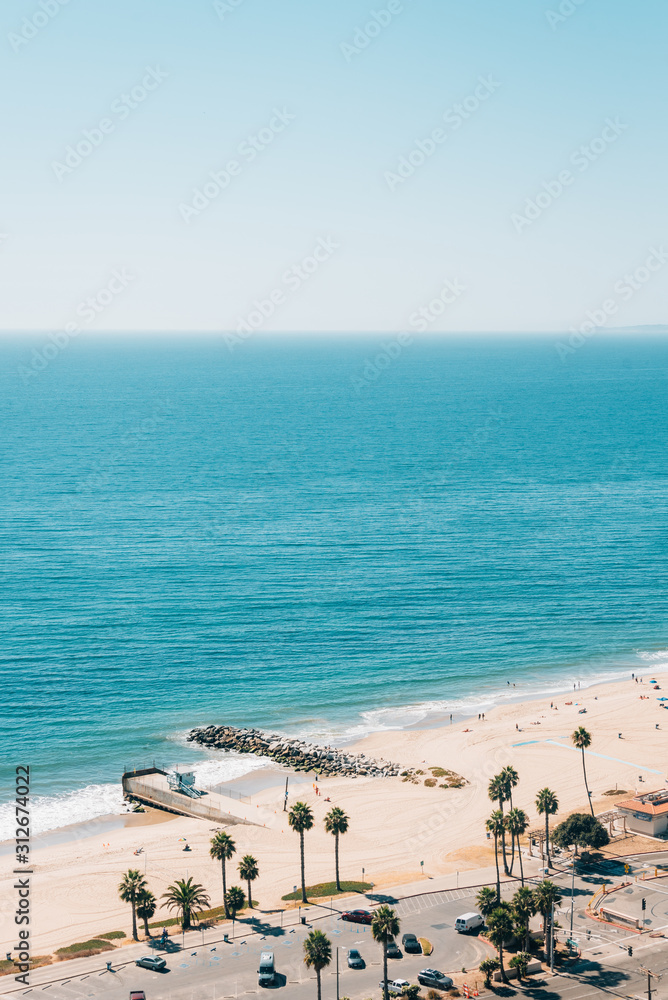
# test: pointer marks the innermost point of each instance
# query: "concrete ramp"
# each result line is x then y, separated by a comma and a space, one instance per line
152, 787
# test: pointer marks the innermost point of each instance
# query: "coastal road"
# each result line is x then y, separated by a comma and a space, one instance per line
213, 971
207, 968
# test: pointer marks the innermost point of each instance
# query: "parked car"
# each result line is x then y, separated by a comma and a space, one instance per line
152, 962
396, 987
434, 978
393, 950
355, 960
411, 944
468, 922
267, 972
357, 916
137, 995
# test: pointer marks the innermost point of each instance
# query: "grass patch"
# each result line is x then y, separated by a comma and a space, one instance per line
430, 782
7, 968
617, 791
452, 779
84, 948
427, 946
329, 889
113, 935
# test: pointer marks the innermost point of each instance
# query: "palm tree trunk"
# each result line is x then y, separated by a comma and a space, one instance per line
385, 994
301, 847
547, 838
584, 771
146, 930
526, 936
250, 898
317, 976
519, 855
504, 977
503, 840
512, 852
336, 856
498, 877
227, 912
134, 922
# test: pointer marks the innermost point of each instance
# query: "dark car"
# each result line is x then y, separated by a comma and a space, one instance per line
357, 916
151, 962
432, 977
355, 960
411, 944
393, 950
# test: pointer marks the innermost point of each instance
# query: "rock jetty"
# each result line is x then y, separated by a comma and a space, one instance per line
295, 754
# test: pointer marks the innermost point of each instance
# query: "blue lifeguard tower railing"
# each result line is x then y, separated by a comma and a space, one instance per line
184, 782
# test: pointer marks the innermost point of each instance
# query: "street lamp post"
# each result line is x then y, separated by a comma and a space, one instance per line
572, 903
337, 974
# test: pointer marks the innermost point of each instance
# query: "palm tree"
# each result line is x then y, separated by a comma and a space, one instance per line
488, 967
520, 961
509, 779
222, 849
300, 819
188, 897
499, 930
249, 871
486, 900
317, 954
146, 907
546, 896
234, 901
129, 890
497, 793
524, 907
547, 803
496, 825
582, 739
517, 824
336, 823
384, 927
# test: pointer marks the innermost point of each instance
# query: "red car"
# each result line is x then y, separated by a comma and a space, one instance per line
357, 916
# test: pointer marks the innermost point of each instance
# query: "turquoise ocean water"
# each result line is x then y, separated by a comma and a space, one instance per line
292, 536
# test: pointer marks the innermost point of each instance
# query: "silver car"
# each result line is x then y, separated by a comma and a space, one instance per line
151, 962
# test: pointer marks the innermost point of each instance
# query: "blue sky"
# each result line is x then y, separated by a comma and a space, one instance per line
334, 97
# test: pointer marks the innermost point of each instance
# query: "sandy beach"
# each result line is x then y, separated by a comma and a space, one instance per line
394, 825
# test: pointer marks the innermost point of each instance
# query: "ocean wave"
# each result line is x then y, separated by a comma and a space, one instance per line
50, 812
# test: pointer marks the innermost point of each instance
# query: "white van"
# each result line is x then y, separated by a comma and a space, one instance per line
468, 922
266, 972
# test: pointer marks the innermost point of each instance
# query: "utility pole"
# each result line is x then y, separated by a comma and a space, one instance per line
650, 975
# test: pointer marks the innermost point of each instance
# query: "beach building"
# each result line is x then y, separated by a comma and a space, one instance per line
646, 814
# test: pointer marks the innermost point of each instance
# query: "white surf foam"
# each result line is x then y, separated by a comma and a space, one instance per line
50, 812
